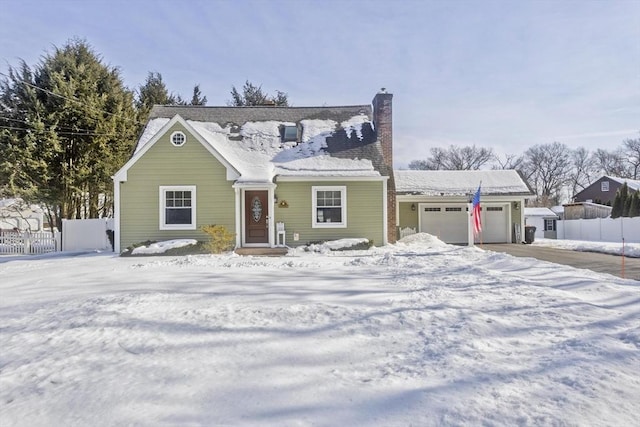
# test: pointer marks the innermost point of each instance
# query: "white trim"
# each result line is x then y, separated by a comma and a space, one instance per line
343, 201
239, 217
315, 178
178, 132
116, 216
162, 206
232, 172
385, 216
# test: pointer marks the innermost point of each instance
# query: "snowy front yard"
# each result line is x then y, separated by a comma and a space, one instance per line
418, 333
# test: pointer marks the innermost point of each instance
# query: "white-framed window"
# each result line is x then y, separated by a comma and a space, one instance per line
549, 225
329, 207
178, 207
604, 186
178, 138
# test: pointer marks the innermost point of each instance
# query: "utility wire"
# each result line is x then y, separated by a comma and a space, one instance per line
61, 128
135, 121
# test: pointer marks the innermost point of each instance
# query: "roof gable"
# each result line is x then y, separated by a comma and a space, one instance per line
154, 131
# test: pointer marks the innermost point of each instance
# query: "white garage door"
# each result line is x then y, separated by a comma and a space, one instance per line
446, 222
495, 224
450, 222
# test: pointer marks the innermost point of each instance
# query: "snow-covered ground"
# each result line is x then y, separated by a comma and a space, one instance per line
417, 333
630, 249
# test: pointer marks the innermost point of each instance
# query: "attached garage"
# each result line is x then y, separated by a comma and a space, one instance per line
443, 221
438, 203
450, 222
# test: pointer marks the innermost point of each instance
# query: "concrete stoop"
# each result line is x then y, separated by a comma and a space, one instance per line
262, 251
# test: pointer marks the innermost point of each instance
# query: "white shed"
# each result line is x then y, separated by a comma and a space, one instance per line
544, 220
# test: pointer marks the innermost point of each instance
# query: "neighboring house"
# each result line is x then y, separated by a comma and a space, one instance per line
603, 191
544, 220
437, 202
586, 210
17, 215
320, 173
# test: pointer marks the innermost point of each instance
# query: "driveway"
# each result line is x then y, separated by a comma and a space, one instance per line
602, 263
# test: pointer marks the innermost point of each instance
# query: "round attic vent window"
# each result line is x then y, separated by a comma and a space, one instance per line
178, 138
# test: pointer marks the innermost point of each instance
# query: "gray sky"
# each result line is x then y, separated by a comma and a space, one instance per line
499, 74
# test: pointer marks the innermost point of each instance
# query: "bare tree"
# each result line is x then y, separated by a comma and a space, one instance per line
583, 171
510, 161
631, 150
611, 163
455, 158
550, 167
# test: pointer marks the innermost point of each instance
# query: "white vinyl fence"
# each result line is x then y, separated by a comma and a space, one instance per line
600, 229
86, 234
18, 242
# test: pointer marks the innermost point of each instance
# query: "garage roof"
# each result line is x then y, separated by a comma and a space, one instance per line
457, 183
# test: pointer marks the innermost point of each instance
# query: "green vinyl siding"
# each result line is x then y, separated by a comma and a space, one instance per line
167, 165
408, 218
365, 216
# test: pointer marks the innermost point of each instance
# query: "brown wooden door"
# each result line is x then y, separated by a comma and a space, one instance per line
256, 212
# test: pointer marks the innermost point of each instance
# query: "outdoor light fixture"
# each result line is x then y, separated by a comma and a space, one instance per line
413, 206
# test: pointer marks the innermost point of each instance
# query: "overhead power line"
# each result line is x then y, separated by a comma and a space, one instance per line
135, 121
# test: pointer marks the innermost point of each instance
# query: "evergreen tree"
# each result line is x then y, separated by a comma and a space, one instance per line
197, 98
76, 128
626, 208
253, 95
616, 210
153, 92
634, 210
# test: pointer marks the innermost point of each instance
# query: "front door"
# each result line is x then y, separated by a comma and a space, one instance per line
256, 215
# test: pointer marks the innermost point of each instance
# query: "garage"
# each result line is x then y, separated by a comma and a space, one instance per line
450, 222
446, 222
495, 224
437, 202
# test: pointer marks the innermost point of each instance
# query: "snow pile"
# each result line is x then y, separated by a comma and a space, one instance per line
162, 247
418, 333
631, 250
333, 245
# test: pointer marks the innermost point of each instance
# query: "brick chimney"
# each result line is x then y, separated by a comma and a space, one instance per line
383, 125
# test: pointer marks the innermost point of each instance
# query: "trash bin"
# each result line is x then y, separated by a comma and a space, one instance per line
529, 234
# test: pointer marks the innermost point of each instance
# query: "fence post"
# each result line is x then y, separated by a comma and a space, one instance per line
26, 242
58, 241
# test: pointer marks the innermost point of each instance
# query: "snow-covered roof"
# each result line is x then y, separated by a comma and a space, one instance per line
459, 183
335, 141
631, 183
542, 212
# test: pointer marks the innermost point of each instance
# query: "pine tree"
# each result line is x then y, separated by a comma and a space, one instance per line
627, 207
634, 210
253, 95
197, 98
616, 210
77, 127
624, 195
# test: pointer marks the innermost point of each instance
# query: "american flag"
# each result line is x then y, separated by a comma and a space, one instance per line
475, 213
